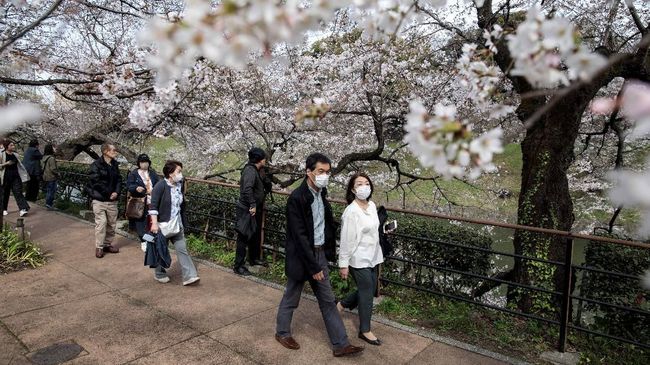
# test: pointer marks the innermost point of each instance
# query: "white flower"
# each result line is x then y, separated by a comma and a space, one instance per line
584, 65
558, 33
487, 145
635, 101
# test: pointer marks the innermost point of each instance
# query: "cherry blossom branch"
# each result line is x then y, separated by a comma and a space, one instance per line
617, 60
637, 20
31, 26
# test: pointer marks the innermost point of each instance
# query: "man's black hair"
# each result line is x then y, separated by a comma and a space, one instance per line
314, 158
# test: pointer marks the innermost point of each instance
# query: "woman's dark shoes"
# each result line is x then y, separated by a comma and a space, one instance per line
243, 271
375, 342
260, 263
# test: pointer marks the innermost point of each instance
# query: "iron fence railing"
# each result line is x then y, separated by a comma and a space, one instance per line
211, 211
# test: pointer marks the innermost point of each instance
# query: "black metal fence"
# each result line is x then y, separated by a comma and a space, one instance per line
454, 257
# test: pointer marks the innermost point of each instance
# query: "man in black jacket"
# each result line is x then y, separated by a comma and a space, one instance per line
32, 163
104, 190
251, 206
310, 244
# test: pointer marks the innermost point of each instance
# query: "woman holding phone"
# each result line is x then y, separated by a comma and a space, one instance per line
360, 252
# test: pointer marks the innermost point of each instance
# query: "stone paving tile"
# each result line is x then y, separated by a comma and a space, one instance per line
198, 350
52, 284
112, 328
255, 336
442, 354
217, 300
11, 351
115, 310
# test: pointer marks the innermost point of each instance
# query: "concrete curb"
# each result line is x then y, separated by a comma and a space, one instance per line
377, 318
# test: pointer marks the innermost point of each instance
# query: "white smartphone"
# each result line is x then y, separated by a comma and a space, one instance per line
390, 226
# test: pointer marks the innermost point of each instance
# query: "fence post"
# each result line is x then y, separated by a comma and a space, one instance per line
262, 234
566, 295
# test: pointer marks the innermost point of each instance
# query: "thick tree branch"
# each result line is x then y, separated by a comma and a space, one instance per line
46, 82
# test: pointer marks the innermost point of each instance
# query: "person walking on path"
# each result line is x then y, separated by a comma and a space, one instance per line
140, 183
50, 175
13, 175
251, 202
168, 207
309, 245
32, 163
360, 252
104, 189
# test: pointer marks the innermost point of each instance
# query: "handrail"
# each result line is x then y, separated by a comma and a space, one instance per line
555, 232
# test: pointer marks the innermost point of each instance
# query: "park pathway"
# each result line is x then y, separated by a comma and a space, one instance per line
118, 314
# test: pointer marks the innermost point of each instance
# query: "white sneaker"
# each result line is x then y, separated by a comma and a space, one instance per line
162, 280
191, 280
4, 212
23, 212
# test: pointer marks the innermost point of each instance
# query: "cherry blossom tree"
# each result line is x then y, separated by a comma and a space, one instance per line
350, 78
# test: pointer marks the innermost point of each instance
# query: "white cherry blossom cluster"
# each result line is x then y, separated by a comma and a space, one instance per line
384, 18
631, 187
228, 33
315, 110
144, 111
481, 78
634, 105
444, 142
543, 48
115, 83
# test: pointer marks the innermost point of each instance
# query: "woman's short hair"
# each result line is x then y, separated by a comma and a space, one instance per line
48, 150
33, 143
349, 194
170, 167
6, 143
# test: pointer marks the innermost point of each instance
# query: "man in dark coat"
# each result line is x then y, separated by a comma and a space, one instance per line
32, 163
310, 244
104, 190
250, 206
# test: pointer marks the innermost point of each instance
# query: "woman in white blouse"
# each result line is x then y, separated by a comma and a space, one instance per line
360, 252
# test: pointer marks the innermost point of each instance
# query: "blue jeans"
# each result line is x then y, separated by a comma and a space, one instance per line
50, 192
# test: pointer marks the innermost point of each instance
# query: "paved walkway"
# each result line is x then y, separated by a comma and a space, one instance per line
115, 310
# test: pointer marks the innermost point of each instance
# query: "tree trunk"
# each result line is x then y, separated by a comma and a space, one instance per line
545, 201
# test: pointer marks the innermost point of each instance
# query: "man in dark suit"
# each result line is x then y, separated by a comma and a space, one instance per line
310, 244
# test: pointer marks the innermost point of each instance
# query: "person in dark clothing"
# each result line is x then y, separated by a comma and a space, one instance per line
32, 163
309, 245
140, 183
104, 190
13, 175
50, 175
251, 201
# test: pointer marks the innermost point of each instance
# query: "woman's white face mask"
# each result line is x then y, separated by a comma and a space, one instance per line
178, 177
362, 192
